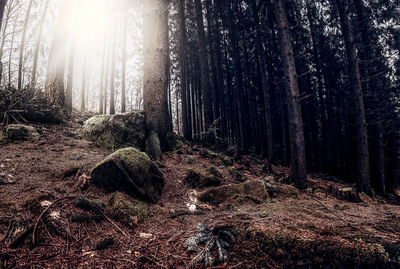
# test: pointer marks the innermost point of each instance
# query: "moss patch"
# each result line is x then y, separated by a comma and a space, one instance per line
126, 211
253, 190
285, 250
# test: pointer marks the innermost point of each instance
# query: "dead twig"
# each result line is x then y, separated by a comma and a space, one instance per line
115, 225
44, 212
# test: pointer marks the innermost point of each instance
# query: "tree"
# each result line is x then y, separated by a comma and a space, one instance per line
71, 64
204, 71
363, 182
22, 46
155, 70
54, 89
3, 4
37, 46
124, 45
297, 147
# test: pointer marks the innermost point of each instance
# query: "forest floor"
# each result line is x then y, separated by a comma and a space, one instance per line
48, 170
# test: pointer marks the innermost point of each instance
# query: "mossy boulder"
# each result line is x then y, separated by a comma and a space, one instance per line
117, 131
261, 246
249, 191
128, 211
131, 171
197, 178
21, 132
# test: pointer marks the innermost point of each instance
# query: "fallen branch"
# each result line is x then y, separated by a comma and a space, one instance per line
44, 212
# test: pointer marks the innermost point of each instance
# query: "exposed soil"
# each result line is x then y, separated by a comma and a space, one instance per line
50, 169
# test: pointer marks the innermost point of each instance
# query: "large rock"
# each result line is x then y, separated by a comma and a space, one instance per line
131, 171
21, 132
117, 131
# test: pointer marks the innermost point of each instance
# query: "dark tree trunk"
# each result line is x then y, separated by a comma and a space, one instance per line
3, 4
363, 182
204, 72
186, 122
298, 172
155, 58
373, 86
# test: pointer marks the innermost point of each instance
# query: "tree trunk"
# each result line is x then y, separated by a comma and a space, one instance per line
71, 65
22, 46
371, 54
186, 123
56, 67
113, 60
3, 4
204, 72
124, 44
84, 81
298, 172
154, 71
363, 181
37, 46
10, 54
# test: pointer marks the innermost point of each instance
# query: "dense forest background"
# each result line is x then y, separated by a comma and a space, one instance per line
313, 85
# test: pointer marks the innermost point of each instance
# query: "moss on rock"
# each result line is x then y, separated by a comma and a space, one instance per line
285, 250
132, 171
197, 178
125, 210
117, 131
21, 132
253, 191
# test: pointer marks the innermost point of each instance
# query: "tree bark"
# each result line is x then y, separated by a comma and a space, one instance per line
204, 72
185, 97
124, 45
37, 46
373, 86
22, 46
56, 66
154, 72
363, 181
3, 4
298, 172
